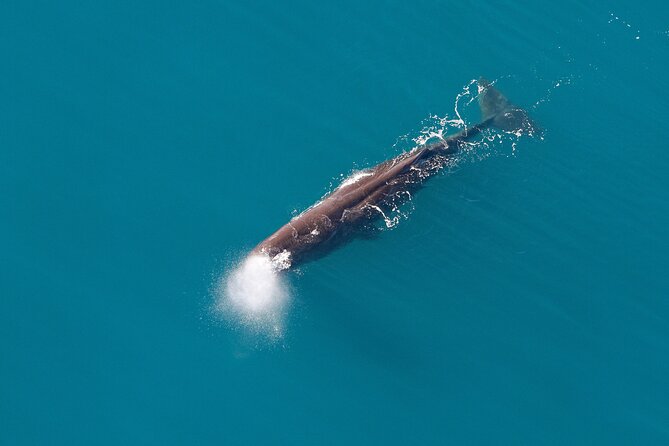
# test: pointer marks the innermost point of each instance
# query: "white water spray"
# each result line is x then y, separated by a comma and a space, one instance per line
255, 296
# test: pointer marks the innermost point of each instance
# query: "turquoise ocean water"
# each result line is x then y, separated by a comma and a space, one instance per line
146, 146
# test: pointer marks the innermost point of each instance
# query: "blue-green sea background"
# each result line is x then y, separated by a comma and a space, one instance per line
144, 146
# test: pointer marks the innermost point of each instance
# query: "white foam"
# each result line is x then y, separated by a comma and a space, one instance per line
355, 177
255, 295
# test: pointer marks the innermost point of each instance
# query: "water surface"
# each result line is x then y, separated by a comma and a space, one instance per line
144, 147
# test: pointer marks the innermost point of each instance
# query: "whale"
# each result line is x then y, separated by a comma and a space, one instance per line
370, 194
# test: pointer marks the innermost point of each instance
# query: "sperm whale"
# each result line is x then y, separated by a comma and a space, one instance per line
369, 194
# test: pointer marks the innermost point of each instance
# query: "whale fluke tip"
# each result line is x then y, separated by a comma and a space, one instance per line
497, 109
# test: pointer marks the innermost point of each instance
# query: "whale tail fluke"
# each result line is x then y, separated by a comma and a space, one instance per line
499, 112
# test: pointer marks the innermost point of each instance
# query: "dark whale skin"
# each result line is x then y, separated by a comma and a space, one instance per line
369, 194
358, 201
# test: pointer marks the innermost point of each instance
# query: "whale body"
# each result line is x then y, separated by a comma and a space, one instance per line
369, 194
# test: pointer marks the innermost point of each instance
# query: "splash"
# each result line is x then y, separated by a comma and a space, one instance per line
465, 114
255, 296
615, 18
354, 178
